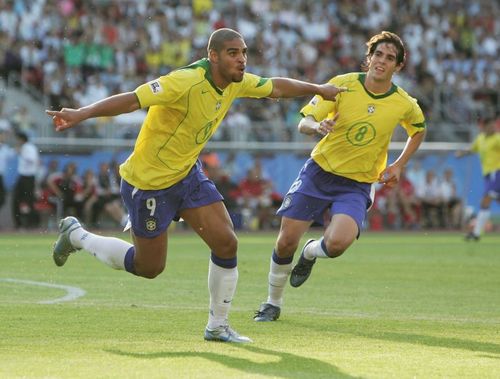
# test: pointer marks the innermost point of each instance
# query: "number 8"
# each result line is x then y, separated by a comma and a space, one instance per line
151, 205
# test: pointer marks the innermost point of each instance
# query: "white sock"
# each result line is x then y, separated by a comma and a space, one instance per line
278, 275
482, 219
315, 250
109, 250
221, 286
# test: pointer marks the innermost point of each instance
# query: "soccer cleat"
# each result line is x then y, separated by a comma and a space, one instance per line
302, 269
267, 312
471, 237
225, 334
63, 247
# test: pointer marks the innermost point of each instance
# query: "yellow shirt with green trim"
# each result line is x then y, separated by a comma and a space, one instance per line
185, 110
357, 147
488, 148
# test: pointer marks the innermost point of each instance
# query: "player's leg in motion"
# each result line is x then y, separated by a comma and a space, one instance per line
214, 226
482, 219
280, 266
146, 257
339, 235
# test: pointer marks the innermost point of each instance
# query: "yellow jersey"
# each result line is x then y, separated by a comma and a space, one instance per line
488, 148
185, 110
357, 147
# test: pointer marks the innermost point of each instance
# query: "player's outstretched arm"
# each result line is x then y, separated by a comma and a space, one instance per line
390, 176
286, 87
111, 106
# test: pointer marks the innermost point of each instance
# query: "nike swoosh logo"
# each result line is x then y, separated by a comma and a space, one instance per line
204, 91
226, 301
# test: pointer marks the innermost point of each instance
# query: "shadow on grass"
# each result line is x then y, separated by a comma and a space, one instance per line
420, 339
288, 366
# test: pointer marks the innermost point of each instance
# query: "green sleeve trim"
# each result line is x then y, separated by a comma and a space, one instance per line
420, 125
261, 82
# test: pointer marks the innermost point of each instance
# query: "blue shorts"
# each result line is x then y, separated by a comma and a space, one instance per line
316, 191
492, 185
152, 211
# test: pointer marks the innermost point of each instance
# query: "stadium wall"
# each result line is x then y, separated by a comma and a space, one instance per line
283, 168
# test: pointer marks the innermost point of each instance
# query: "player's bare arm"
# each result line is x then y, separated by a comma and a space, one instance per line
286, 87
390, 176
111, 106
309, 126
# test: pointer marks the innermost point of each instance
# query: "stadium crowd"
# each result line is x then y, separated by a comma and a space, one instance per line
78, 51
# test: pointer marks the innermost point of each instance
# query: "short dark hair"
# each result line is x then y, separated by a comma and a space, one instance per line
22, 136
385, 37
218, 37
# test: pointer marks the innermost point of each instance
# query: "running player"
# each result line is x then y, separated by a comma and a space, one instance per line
487, 145
336, 182
163, 179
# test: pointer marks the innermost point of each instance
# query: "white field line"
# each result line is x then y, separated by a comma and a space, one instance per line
72, 292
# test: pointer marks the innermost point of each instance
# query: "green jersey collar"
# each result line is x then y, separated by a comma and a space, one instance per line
362, 78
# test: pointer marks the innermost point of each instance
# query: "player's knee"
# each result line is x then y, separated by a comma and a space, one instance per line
150, 272
227, 247
336, 247
286, 246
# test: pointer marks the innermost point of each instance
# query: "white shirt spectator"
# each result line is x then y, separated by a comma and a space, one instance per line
6, 153
28, 160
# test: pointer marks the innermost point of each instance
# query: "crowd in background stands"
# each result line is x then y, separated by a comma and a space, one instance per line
423, 199
79, 51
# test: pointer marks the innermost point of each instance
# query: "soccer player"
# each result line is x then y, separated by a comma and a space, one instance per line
163, 178
487, 145
336, 183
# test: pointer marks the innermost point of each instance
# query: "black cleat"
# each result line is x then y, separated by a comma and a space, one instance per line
471, 237
302, 269
267, 312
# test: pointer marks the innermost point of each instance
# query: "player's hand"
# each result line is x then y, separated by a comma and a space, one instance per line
65, 118
390, 176
329, 91
326, 126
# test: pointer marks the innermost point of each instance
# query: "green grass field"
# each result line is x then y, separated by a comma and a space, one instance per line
394, 306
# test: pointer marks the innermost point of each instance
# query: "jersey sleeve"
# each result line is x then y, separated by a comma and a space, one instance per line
414, 121
320, 108
255, 86
164, 90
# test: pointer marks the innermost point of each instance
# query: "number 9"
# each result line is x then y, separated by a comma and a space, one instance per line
151, 205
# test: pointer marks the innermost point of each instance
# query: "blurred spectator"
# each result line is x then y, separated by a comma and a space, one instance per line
23, 210
22, 121
89, 195
431, 201
66, 187
47, 204
6, 153
452, 204
228, 189
108, 196
407, 205
257, 199
416, 174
